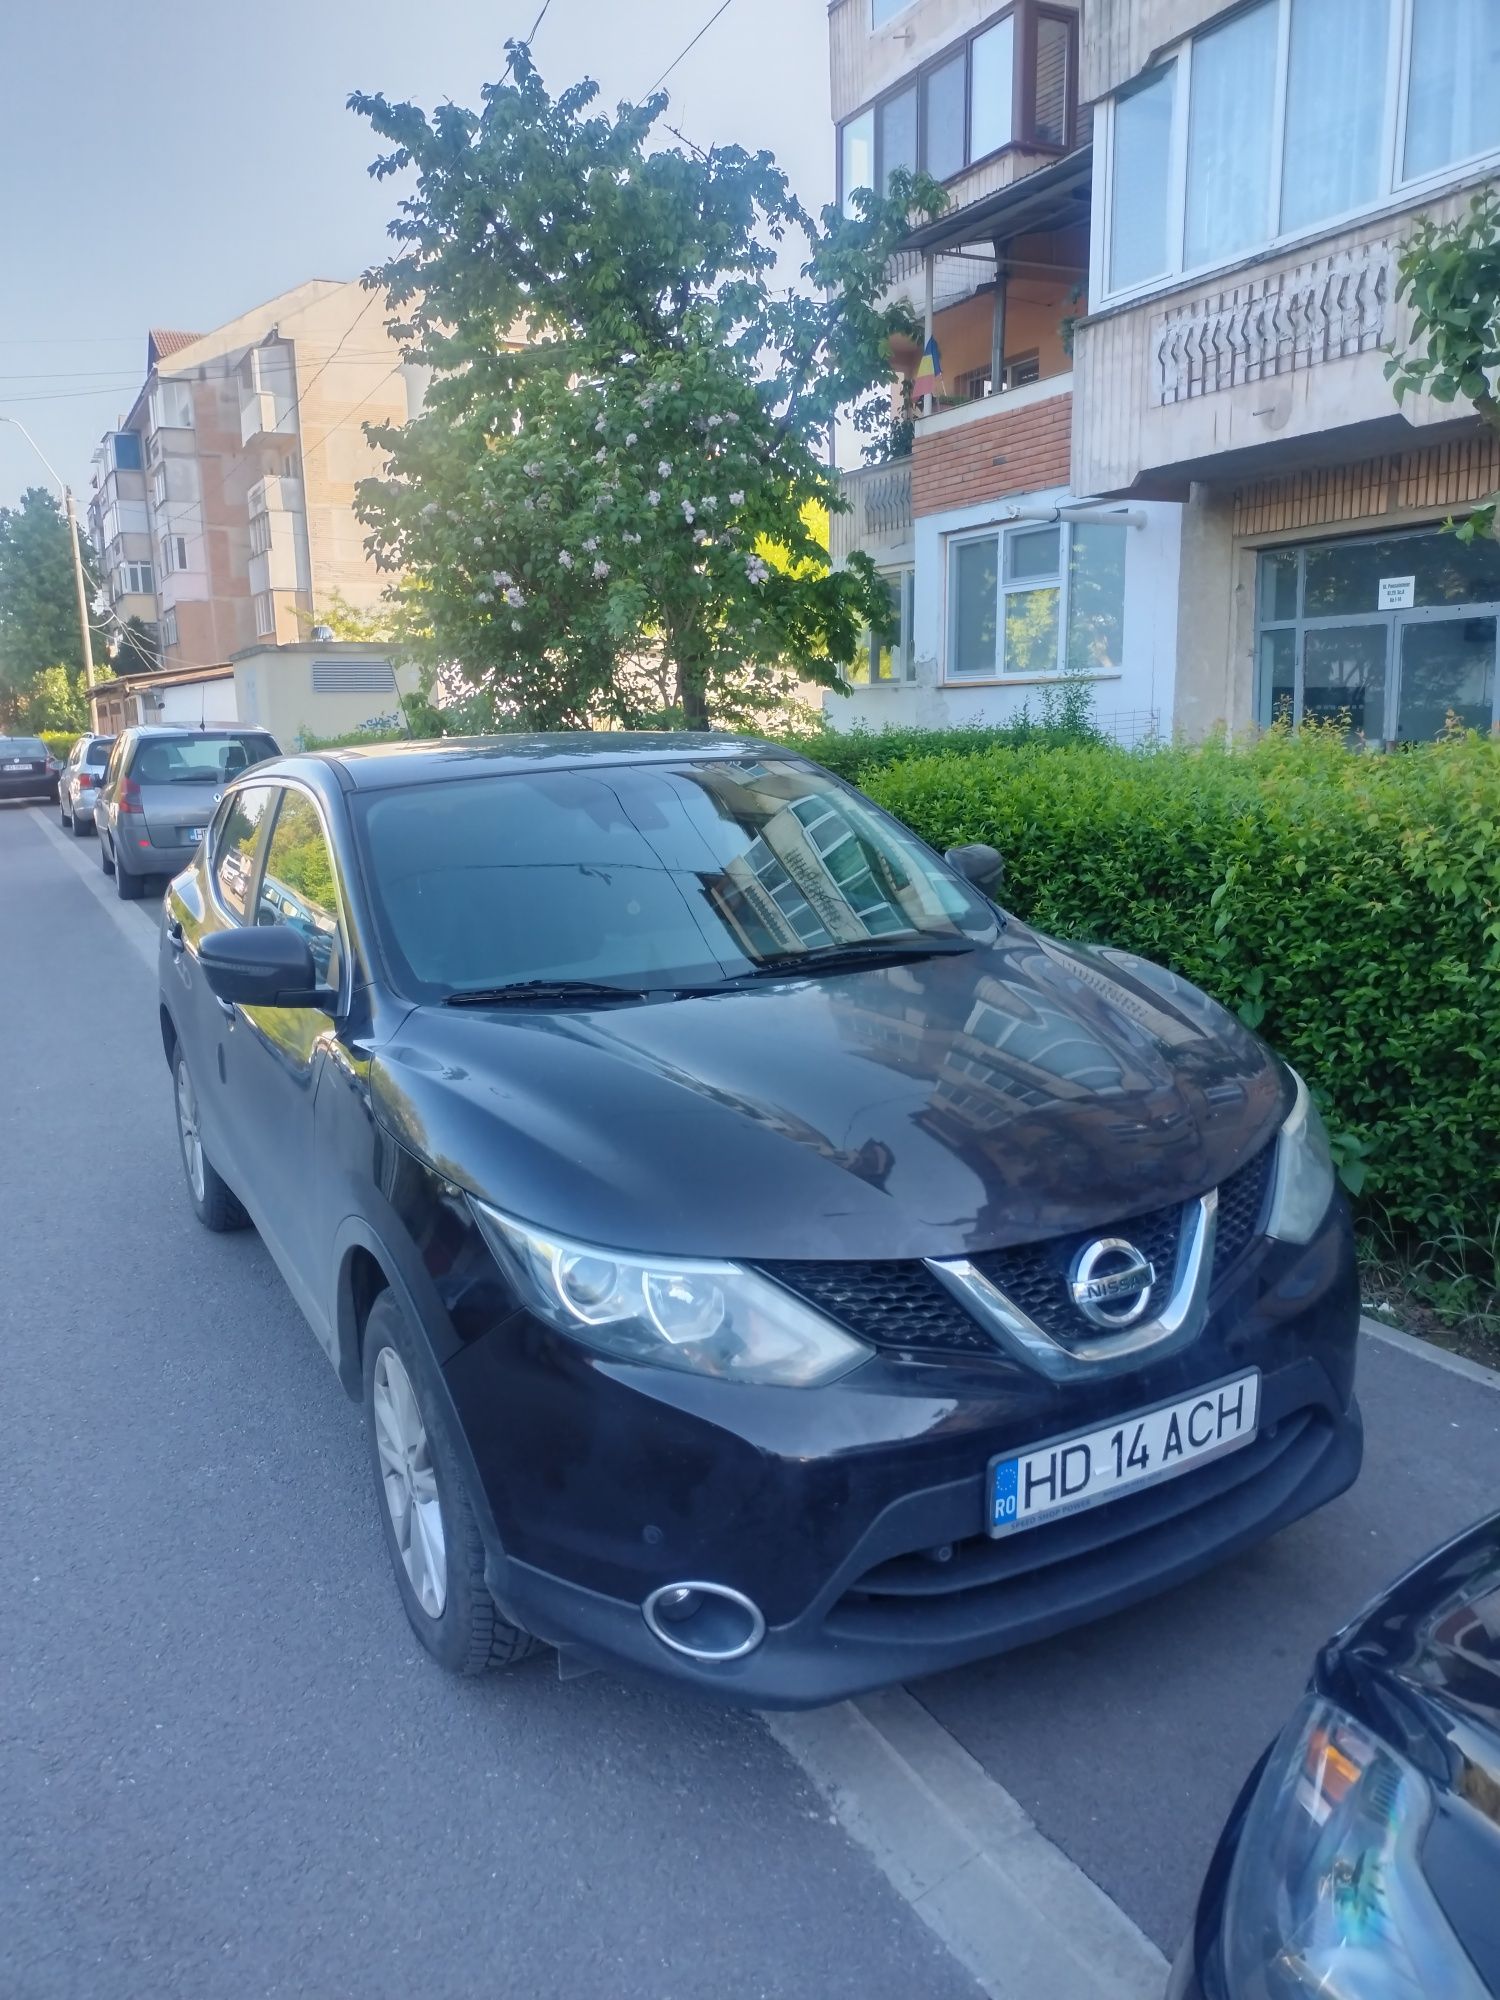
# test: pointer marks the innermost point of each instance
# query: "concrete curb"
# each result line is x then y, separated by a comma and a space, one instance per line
1455, 1364
1009, 1905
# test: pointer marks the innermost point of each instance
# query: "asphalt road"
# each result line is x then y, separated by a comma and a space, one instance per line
225, 1769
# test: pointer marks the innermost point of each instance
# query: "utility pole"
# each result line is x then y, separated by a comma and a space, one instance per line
80, 583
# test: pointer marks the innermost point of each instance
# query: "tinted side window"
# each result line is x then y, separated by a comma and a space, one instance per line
297, 887
97, 754
234, 845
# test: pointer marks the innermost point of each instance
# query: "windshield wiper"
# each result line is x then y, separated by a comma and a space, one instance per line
841, 957
520, 992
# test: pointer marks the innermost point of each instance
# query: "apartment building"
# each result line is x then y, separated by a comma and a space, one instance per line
222, 506
1164, 452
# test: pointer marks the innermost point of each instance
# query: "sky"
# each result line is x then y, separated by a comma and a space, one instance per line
175, 162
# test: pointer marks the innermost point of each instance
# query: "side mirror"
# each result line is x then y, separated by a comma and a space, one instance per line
267, 966
983, 866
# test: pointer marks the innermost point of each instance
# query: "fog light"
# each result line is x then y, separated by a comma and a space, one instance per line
704, 1621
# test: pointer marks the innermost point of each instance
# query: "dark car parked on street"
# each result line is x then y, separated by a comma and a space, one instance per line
159, 793
79, 781
765, 1263
28, 769
1362, 1860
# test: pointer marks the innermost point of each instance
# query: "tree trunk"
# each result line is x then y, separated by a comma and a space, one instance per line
692, 692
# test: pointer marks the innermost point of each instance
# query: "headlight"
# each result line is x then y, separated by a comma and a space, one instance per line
710, 1319
1304, 1172
1327, 1895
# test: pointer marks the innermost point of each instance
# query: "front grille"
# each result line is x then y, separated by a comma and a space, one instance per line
890, 1305
902, 1305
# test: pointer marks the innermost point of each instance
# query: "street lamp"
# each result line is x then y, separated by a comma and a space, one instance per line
78, 580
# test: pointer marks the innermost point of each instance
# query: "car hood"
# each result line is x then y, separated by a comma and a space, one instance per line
954, 1103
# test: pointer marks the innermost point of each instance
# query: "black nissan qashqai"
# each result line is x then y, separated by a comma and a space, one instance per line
766, 1264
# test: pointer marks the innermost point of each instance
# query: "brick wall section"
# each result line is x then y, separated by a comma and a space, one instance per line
1008, 451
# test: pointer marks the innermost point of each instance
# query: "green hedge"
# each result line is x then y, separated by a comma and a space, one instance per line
1347, 906
58, 741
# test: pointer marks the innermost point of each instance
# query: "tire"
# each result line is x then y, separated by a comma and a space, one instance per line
215, 1206
106, 854
129, 888
456, 1619
62, 813
82, 827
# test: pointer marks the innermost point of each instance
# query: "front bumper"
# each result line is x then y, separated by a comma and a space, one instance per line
853, 1515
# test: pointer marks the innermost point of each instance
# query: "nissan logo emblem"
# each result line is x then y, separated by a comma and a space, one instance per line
1110, 1282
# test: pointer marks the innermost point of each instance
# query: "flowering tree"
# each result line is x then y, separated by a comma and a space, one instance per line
624, 440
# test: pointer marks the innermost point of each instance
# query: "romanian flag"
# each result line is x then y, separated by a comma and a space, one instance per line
928, 380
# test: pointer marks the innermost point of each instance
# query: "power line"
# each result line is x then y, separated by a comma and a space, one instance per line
722, 8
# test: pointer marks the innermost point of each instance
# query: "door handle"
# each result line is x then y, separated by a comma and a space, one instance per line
226, 1008
174, 934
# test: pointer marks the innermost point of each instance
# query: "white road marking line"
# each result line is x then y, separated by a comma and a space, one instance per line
1456, 1364
1009, 1905
83, 858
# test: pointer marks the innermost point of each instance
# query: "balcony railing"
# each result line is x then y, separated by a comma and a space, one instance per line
879, 499
261, 415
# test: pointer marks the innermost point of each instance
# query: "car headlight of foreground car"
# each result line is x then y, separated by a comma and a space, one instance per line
1327, 1896
1304, 1172
706, 1318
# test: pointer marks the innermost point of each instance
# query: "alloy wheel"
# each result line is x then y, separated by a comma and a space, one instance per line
187, 1126
409, 1482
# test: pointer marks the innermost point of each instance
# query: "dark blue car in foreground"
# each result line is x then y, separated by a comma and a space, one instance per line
765, 1264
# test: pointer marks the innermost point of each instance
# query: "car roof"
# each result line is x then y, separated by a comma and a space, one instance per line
381, 765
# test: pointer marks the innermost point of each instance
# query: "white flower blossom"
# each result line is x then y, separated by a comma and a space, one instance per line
755, 569
565, 559
708, 503
601, 424
529, 504
714, 423
479, 541
631, 438
653, 498
601, 456
500, 578
591, 544
515, 624
665, 468
689, 511
533, 468
701, 535
630, 537
731, 418
483, 597
601, 570
514, 598
429, 510
737, 499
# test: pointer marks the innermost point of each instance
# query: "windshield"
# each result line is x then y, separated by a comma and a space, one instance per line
23, 746
198, 760
644, 875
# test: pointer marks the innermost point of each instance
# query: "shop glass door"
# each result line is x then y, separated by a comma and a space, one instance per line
1446, 669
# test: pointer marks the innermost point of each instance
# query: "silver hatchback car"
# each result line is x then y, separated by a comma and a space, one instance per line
159, 793
78, 784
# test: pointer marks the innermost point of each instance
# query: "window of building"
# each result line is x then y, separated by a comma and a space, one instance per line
169, 628
265, 614
136, 579
1239, 139
885, 659
1012, 82
159, 486
173, 553
172, 406
260, 534
1328, 652
125, 450
1033, 601
883, 11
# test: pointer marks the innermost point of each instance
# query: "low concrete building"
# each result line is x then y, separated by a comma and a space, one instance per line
316, 688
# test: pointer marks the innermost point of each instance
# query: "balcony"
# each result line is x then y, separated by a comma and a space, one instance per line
265, 414
879, 517
1277, 367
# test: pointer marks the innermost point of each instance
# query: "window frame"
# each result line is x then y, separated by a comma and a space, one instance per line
214, 836
1023, 94
282, 786
1002, 533
1396, 189
904, 576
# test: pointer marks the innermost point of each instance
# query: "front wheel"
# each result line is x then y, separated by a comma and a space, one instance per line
431, 1534
106, 854
215, 1206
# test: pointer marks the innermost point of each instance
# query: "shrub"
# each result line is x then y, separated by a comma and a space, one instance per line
58, 741
1347, 906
